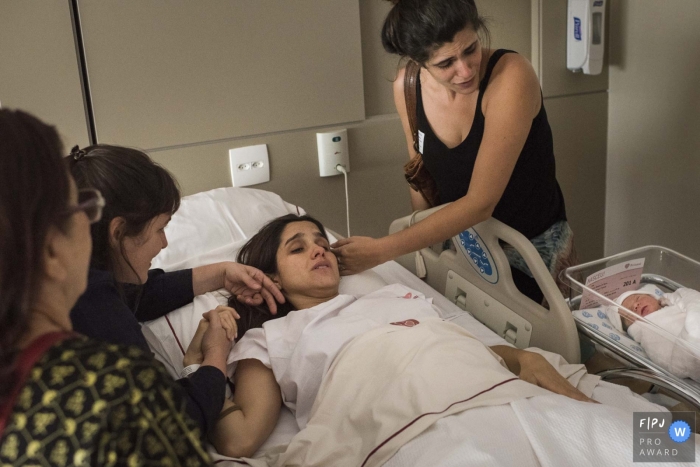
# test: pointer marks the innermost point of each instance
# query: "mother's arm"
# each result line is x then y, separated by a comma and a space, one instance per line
241, 432
514, 100
535, 369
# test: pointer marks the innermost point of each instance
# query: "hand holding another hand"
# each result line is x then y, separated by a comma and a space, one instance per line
227, 321
210, 345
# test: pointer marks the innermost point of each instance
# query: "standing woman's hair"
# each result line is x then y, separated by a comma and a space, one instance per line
261, 252
133, 186
34, 194
415, 28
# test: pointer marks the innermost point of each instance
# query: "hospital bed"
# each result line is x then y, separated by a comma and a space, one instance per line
475, 275
212, 226
472, 271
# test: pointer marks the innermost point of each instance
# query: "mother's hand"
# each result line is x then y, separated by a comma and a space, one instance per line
535, 369
357, 254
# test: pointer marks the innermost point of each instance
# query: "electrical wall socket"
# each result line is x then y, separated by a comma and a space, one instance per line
249, 165
332, 150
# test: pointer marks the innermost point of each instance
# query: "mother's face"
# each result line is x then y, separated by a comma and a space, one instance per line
305, 265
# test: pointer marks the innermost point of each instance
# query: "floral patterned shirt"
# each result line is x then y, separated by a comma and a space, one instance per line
89, 403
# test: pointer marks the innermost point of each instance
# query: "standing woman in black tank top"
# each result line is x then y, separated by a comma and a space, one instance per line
483, 135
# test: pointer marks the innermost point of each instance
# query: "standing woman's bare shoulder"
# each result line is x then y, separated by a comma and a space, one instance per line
513, 81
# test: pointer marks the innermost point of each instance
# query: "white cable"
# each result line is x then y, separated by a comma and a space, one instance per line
341, 168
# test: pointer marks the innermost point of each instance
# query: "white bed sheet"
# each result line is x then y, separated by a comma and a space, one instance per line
521, 433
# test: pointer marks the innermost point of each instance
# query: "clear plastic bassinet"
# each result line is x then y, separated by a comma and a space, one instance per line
668, 271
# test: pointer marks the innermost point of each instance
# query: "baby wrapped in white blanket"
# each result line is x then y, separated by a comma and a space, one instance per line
677, 346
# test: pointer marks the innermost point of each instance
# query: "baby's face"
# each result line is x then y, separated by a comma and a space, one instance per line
641, 304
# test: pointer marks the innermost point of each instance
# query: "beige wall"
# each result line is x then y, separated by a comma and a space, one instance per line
39, 66
653, 168
577, 107
377, 145
162, 79
378, 191
165, 74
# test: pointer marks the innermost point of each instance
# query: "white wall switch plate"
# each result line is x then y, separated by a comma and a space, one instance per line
332, 150
249, 165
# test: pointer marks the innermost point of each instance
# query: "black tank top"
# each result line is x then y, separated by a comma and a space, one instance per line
532, 200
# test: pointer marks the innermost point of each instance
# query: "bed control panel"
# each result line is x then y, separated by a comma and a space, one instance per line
493, 314
477, 254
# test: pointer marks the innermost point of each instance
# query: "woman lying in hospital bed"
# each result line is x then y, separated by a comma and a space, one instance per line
373, 379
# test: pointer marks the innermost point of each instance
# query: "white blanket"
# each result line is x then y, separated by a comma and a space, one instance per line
672, 341
541, 431
388, 385
587, 434
300, 347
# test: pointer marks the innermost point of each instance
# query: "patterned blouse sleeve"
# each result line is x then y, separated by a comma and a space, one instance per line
154, 426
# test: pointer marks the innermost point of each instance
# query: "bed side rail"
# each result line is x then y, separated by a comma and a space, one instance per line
491, 295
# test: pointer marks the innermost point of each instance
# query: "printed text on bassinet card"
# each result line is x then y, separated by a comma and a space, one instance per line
611, 282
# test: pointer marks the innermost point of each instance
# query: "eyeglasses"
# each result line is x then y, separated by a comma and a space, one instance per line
91, 202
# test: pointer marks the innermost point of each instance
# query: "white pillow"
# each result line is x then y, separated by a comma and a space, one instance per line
211, 226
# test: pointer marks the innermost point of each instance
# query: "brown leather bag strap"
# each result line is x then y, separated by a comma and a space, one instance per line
409, 92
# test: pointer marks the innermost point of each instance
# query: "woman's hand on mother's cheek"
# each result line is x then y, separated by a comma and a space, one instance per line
357, 254
251, 286
535, 369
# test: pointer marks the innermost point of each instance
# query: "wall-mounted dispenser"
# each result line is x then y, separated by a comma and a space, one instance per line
585, 44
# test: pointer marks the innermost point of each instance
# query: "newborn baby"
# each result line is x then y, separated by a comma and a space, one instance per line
677, 313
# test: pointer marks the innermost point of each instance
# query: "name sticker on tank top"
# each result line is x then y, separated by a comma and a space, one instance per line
421, 138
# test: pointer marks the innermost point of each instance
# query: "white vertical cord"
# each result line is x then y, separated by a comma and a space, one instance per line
341, 168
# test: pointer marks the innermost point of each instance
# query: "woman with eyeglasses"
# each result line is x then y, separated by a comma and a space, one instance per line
66, 399
122, 288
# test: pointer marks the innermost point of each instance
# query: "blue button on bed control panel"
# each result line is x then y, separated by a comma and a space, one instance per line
477, 254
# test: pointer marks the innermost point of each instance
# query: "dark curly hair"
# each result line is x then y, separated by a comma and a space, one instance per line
133, 186
415, 28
